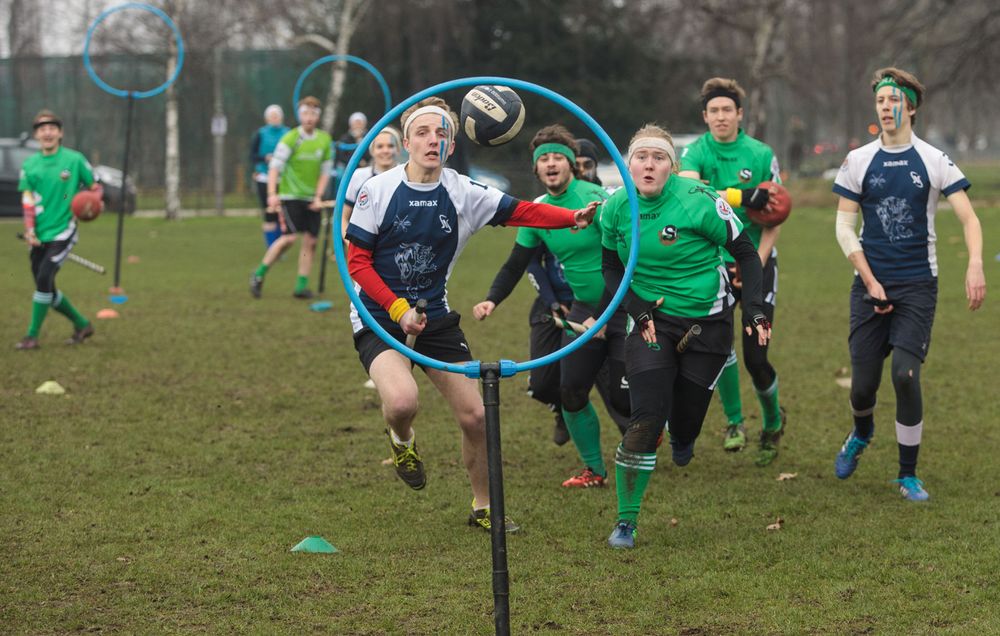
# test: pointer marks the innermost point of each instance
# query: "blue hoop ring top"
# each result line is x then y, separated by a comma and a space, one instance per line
341, 58
136, 94
507, 367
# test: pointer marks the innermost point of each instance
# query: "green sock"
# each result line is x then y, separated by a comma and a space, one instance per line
66, 308
769, 406
300, 283
585, 429
729, 390
39, 307
632, 473
262, 270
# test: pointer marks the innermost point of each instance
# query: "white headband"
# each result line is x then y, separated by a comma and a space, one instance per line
657, 143
306, 108
392, 132
433, 110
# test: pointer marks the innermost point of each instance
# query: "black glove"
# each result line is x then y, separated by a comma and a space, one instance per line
754, 319
755, 198
642, 313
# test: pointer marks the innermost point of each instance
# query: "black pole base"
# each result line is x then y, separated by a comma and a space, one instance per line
490, 374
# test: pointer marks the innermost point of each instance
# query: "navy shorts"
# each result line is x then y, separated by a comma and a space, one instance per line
907, 326
702, 360
442, 340
299, 217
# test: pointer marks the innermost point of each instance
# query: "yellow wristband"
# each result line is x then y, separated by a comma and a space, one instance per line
398, 307
734, 197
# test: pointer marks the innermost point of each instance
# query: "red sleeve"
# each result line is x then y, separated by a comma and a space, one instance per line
362, 270
29, 215
541, 215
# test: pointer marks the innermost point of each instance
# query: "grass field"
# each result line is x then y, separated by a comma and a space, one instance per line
203, 434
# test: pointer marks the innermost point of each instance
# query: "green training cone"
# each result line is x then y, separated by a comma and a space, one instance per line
315, 544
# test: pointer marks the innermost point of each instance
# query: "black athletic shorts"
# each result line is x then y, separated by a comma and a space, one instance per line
299, 217
907, 326
769, 285
702, 360
442, 340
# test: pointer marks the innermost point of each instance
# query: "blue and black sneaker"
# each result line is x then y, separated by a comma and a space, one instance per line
623, 536
912, 488
847, 458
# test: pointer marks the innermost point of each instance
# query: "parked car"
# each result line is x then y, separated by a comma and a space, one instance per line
13, 152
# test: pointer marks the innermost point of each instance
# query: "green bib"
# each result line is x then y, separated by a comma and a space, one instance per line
302, 170
579, 251
53, 180
742, 163
681, 233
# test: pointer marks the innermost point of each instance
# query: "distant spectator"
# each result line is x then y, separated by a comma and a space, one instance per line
262, 146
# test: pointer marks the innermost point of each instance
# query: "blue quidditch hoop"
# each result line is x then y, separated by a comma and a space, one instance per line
118, 92
338, 58
507, 367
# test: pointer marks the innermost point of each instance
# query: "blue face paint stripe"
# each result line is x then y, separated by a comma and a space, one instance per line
897, 111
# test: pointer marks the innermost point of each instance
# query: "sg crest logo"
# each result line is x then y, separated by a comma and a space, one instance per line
745, 175
668, 235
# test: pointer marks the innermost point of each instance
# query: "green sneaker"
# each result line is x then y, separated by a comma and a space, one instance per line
409, 466
481, 519
769, 441
736, 438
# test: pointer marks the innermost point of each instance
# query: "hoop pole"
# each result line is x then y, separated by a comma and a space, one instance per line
490, 374
124, 190
327, 231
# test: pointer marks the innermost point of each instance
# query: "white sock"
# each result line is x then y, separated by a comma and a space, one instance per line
399, 442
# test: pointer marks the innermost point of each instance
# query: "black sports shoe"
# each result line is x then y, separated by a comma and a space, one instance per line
769, 441
560, 434
304, 294
256, 284
409, 466
79, 335
27, 344
481, 519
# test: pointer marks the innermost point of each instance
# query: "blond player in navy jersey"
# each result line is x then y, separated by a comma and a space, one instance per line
407, 230
895, 182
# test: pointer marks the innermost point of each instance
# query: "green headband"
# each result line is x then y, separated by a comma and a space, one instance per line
562, 149
906, 90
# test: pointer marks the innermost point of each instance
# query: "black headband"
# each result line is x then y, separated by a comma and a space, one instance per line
720, 92
46, 120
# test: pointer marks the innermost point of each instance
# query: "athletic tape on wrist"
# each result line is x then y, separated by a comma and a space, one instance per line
398, 308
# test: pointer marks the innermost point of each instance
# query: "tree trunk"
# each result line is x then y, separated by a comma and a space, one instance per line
762, 44
351, 12
172, 166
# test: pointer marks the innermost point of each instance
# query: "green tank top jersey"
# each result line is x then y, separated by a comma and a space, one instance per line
681, 233
304, 164
53, 180
742, 163
579, 251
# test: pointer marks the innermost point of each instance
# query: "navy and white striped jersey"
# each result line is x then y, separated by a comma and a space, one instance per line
416, 232
898, 189
358, 179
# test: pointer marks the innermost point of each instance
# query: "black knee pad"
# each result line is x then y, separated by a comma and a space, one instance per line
641, 436
905, 371
573, 398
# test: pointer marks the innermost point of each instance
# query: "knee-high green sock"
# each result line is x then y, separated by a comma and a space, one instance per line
632, 473
262, 270
585, 430
66, 308
769, 406
729, 390
39, 307
301, 282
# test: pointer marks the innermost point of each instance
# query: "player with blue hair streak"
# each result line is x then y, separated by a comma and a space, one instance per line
407, 230
262, 146
895, 182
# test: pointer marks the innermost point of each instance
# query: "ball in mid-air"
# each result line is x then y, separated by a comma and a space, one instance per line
492, 115
779, 206
87, 205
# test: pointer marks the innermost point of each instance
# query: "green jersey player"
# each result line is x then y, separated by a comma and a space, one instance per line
296, 179
579, 253
49, 179
679, 282
734, 164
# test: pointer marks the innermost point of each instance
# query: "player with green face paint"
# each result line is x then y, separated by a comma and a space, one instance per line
734, 164
49, 180
579, 251
680, 282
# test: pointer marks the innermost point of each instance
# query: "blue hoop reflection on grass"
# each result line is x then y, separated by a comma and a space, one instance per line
507, 367
386, 95
118, 92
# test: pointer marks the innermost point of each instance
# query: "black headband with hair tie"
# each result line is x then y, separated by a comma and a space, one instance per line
720, 92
